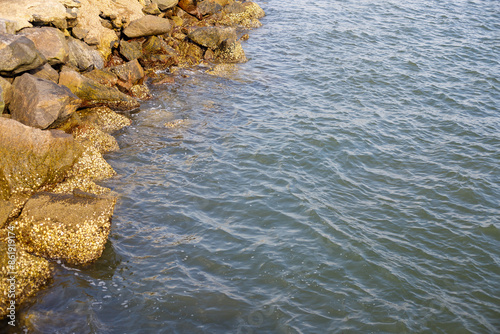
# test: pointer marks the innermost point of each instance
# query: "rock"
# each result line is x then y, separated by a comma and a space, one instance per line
131, 72
50, 42
147, 26
212, 37
7, 27
46, 72
31, 274
74, 229
38, 12
31, 158
94, 94
18, 54
39, 103
89, 134
165, 4
131, 49
103, 77
89, 19
140, 92
230, 52
104, 118
187, 19
208, 7
158, 54
190, 53
83, 56
151, 9
246, 14
189, 6
6, 208
5, 94
79, 32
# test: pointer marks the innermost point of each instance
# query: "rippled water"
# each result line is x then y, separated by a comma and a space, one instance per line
345, 180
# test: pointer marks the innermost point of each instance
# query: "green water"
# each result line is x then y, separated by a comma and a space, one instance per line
344, 180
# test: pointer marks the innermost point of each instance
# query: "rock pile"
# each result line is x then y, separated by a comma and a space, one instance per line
69, 69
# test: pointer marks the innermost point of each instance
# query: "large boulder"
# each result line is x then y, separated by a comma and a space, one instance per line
72, 228
165, 4
147, 26
31, 274
18, 54
83, 56
50, 42
212, 37
94, 94
39, 103
31, 158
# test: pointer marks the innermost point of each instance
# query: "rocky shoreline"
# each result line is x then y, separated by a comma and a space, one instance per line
70, 72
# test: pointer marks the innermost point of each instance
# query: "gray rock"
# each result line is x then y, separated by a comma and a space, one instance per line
151, 9
46, 72
18, 54
77, 226
147, 26
212, 37
83, 56
31, 158
50, 42
94, 94
39, 103
166, 4
131, 49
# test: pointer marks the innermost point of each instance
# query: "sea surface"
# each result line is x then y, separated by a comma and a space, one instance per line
345, 180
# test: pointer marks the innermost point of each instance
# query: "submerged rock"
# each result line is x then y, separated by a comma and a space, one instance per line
67, 227
31, 273
18, 54
39, 103
94, 94
147, 26
50, 42
31, 158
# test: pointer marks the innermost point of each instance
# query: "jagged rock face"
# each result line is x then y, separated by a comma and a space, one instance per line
31, 158
50, 42
94, 94
61, 226
38, 102
41, 12
18, 54
147, 26
32, 272
83, 56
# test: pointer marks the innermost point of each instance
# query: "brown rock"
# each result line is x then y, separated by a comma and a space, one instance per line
46, 72
230, 52
94, 94
31, 158
50, 42
18, 54
131, 49
5, 94
165, 4
131, 72
212, 37
147, 26
208, 7
103, 77
189, 6
39, 103
74, 229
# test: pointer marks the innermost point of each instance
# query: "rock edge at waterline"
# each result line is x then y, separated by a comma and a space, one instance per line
68, 71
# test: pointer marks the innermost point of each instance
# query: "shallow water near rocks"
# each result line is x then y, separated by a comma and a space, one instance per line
345, 180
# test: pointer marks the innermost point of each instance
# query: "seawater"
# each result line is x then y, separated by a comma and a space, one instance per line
345, 180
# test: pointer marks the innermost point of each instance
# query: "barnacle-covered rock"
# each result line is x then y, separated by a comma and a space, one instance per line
31, 273
63, 226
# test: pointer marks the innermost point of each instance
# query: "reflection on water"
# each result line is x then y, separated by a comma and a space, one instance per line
344, 180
